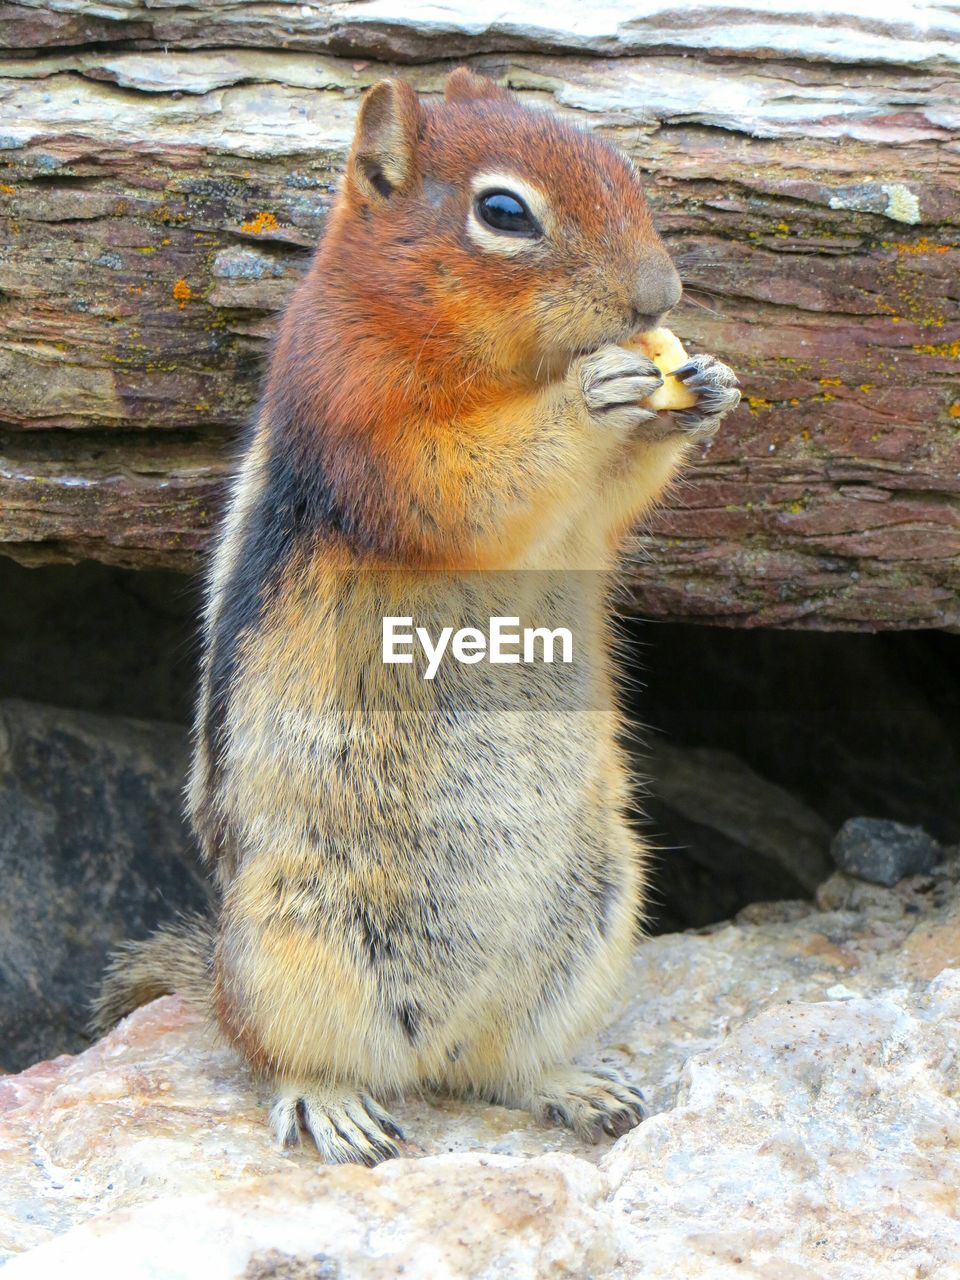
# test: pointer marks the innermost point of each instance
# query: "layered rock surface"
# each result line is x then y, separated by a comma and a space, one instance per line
800, 1066
166, 169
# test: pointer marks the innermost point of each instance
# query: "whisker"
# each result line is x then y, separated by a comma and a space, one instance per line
703, 306
416, 358
471, 377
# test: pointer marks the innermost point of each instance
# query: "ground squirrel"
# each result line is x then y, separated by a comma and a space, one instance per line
432, 883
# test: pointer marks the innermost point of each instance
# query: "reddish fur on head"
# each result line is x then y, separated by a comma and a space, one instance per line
401, 301
405, 319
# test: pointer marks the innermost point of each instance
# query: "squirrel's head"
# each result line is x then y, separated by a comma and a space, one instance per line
478, 227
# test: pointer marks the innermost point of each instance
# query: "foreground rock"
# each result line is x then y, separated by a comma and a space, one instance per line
800, 1066
93, 850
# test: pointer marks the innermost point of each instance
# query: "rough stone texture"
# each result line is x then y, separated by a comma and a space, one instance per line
882, 851
92, 850
732, 837
156, 208
800, 1066
419, 29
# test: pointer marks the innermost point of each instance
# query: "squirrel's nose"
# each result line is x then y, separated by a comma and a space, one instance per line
657, 288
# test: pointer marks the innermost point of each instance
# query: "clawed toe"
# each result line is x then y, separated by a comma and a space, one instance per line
705, 371
614, 382
717, 392
346, 1126
590, 1104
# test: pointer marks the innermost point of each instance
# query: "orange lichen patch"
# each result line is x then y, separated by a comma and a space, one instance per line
954, 410
182, 292
938, 348
830, 382
7, 191
910, 304
757, 403
923, 245
262, 222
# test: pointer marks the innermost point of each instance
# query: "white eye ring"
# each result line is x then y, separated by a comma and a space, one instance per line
502, 240
506, 213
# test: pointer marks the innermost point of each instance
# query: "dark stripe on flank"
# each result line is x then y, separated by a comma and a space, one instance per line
297, 504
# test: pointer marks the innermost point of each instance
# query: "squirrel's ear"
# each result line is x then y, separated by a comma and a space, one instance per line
383, 157
463, 86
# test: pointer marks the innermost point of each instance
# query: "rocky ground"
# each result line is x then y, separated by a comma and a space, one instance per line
800, 1066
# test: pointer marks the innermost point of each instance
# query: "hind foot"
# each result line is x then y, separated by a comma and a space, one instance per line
346, 1125
591, 1103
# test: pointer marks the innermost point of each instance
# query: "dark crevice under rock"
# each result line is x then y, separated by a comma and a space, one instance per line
849, 723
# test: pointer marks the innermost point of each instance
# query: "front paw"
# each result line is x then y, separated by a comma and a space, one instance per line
612, 382
715, 386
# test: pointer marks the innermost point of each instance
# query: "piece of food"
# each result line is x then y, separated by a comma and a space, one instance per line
665, 349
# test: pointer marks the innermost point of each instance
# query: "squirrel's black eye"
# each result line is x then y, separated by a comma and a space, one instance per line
504, 211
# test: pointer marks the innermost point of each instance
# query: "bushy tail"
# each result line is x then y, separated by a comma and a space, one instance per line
177, 959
